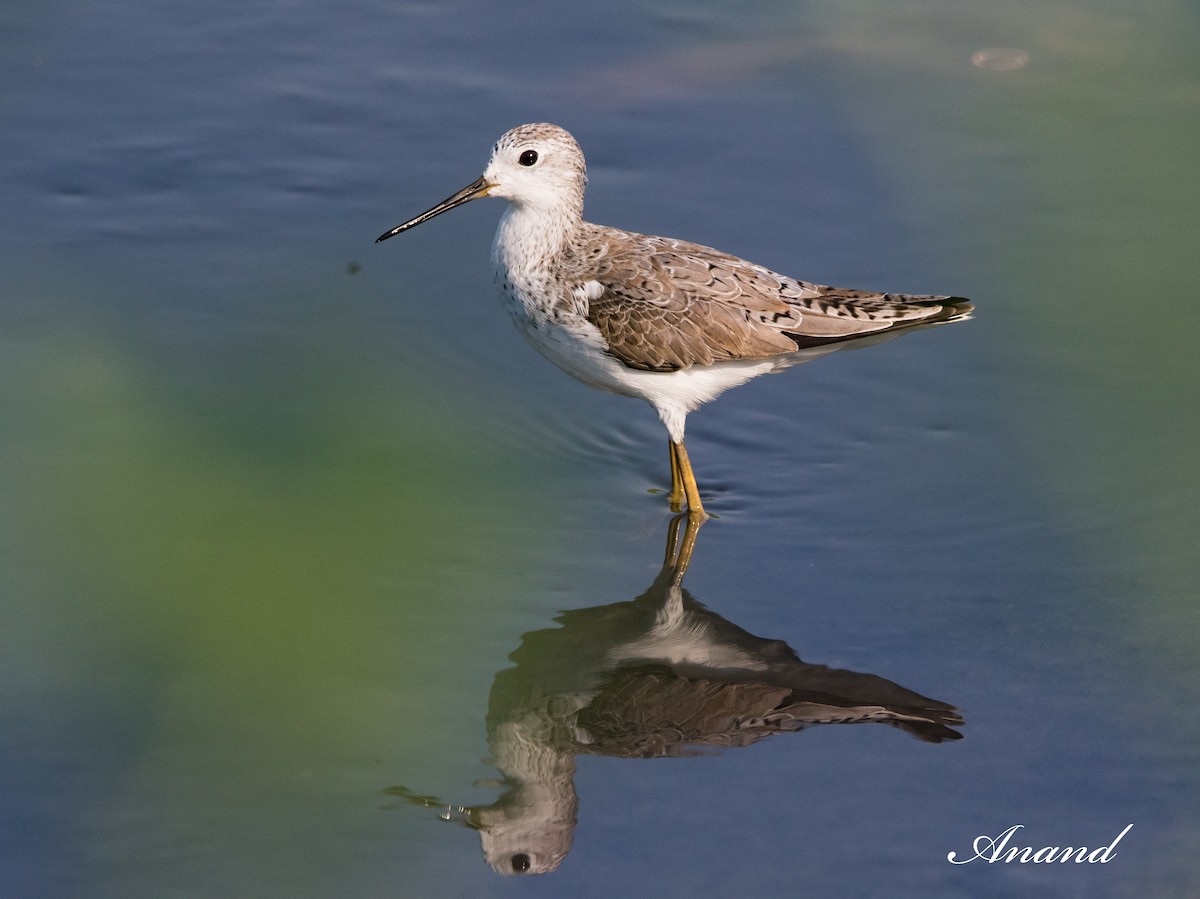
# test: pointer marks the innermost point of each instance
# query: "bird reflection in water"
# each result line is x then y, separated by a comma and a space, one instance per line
658, 676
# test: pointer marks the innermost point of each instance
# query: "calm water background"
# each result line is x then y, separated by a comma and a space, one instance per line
277, 504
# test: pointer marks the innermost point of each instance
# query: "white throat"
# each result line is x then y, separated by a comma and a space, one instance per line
529, 237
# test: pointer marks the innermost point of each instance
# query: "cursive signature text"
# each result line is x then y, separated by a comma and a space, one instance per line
996, 849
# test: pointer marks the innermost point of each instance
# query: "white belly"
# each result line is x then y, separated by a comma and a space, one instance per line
576, 346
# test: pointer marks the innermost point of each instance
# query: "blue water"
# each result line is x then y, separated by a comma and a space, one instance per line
280, 504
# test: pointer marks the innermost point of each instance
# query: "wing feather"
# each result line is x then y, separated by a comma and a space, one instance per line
666, 304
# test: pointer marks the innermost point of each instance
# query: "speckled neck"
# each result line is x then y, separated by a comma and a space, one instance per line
529, 238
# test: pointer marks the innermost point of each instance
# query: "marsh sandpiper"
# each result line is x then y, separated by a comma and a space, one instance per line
673, 323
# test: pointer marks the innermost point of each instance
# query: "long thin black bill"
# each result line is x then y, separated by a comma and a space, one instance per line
472, 191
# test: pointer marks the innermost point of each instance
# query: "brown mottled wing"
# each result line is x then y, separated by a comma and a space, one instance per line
667, 304
651, 711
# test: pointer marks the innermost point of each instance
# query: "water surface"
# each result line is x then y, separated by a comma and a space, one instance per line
280, 504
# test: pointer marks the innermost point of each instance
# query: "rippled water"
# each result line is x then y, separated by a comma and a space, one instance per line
302, 548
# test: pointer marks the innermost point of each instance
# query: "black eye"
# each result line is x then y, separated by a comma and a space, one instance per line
529, 157
520, 861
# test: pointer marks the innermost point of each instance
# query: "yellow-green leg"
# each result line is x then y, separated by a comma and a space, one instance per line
676, 497
681, 471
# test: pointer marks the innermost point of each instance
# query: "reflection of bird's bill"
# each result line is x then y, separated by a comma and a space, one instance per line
473, 191
454, 814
